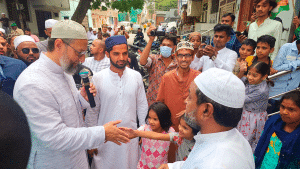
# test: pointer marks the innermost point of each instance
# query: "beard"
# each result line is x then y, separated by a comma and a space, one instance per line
116, 64
193, 117
67, 66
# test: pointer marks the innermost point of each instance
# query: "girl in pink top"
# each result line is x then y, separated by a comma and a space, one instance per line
155, 152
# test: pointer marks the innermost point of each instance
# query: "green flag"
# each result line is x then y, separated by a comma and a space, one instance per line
282, 5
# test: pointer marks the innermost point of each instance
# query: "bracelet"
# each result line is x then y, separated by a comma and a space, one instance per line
213, 58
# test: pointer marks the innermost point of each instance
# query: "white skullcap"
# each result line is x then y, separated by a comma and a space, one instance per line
22, 38
95, 29
68, 29
50, 23
2, 13
222, 87
2, 30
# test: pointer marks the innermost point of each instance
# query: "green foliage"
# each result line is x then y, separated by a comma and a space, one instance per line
121, 5
166, 5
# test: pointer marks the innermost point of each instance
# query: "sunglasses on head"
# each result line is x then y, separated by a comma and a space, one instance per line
34, 50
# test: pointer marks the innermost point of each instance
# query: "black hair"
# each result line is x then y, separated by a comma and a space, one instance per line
223, 115
163, 113
231, 15
106, 35
122, 27
194, 131
263, 69
223, 27
267, 39
294, 96
169, 37
250, 42
27, 29
51, 42
272, 3
298, 42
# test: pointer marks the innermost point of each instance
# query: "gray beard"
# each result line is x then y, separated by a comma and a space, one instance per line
67, 66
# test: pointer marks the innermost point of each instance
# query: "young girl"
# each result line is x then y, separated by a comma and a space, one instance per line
184, 139
279, 146
254, 111
155, 152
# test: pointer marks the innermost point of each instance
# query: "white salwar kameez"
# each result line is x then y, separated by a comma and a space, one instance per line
53, 106
223, 150
118, 98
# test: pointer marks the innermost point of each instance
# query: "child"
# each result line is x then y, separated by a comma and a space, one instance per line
184, 139
279, 146
247, 49
155, 152
195, 38
254, 111
265, 46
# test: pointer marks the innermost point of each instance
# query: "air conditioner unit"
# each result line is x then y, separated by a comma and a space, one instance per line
194, 8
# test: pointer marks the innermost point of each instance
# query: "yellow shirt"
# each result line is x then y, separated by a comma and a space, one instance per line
250, 59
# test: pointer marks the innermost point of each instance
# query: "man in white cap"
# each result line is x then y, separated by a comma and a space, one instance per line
42, 45
5, 22
90, 32
121, 95
174, 86
46, 92
26, 49
94, 35
216, 99
99, 61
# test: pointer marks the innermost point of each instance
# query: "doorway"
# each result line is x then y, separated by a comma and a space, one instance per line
41, 17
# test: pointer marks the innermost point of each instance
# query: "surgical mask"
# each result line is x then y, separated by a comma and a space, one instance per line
165, 51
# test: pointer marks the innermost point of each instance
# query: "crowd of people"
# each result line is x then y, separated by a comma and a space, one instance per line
206, 105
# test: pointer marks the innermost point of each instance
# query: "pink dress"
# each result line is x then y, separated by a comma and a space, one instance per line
154, 152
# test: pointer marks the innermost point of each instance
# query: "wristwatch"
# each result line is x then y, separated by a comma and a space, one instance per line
213, 58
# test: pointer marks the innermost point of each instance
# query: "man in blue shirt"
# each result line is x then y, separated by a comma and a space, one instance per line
233, 44
288, 58
10, 69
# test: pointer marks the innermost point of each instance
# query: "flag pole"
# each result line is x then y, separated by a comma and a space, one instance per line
293, 3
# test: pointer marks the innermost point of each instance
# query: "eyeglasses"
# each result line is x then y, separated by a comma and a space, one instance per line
79, 53
186, 55
27, 50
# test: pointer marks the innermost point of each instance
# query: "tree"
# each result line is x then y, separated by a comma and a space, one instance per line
121, 5
166, 5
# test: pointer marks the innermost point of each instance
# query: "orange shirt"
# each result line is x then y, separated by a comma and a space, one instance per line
173, 91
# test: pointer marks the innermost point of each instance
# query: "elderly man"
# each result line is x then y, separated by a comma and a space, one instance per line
216, 99
15, 30
10, 69
218, 56
121, 95
99, 61
26, 49
158, 65
42, 45
173, 89
47, 93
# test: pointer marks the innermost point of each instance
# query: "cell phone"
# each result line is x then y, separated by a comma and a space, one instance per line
238, 33
206, 40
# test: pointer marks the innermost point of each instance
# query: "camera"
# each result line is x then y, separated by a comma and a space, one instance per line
157, 33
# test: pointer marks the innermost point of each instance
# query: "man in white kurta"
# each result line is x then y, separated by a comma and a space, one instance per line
216, 100
120, 95
46, 92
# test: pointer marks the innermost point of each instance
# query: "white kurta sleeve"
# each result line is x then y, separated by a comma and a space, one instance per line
83, 102
92, 114
228, 64
176, 165
277, 35
47, 125
142, 104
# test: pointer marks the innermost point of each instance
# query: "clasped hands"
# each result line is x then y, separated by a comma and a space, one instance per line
208, 50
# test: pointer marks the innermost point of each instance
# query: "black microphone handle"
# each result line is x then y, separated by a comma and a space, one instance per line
90, 96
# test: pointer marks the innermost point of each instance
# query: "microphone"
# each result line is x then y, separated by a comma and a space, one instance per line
84, 74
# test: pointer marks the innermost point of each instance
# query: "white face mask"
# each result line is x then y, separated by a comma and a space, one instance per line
165, 51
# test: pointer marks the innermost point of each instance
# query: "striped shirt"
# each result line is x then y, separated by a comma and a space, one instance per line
95, 65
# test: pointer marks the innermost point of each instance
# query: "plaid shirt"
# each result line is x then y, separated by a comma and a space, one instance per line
156, 69
233, 44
